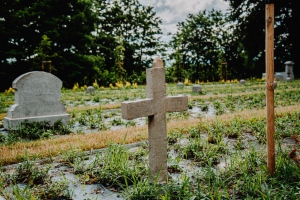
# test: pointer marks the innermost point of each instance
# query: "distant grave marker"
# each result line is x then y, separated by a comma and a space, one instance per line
155, 107
242, 82
197, 88
37, 98
180, 85
90, 90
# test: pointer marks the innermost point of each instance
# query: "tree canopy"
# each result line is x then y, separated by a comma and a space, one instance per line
79, 36
249, 19
198, 42
106, 40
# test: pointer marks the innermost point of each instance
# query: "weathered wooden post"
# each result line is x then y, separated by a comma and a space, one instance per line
270, 84
46, 62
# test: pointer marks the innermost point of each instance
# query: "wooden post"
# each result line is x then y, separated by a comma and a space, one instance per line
44, 64
270, 84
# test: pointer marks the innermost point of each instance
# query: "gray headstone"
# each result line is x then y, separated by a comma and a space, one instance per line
155, 107
90, 90
180, 85
37, 98
289, 65
197, 88
242, 82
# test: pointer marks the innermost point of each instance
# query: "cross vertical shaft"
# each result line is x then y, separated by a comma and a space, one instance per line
157, 132
155, 107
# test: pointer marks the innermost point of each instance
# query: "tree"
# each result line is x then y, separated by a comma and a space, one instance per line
69, 26
83, 36
139, 27
119, 58
249, 16
43, 54
200, 44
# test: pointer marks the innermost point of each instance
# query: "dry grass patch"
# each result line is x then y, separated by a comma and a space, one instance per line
52, 147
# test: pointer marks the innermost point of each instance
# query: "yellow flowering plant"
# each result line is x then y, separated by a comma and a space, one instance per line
127, 84
119, 84
82, 88
95, 84
9, 91
111, 86
76, 86
187, 82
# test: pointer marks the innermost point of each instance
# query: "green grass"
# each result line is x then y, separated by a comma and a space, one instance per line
244, 175
224, 158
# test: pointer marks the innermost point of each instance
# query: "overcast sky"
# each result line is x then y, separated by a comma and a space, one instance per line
173, 11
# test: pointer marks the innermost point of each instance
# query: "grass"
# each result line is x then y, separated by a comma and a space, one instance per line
244, 175
235, 138
51, 147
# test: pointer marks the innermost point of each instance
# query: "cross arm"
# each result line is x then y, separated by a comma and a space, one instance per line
136, 109
177, 103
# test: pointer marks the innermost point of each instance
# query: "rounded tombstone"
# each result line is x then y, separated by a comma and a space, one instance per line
180, 85
37, 98
197, 88
90, 90
242, 82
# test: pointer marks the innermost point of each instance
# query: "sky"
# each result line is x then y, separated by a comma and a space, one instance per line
173, 11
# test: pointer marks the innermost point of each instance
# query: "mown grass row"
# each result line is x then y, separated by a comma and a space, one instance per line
244, 175
13, 153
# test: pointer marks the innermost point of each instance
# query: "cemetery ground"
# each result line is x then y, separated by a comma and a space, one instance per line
216, 149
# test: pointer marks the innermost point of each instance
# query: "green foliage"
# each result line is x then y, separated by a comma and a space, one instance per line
114, 168
249, 16
37, 130
2, 138
82, 37
3, 107
43, 50
69, 26
137, 78
23, 193
119, 58
198, 43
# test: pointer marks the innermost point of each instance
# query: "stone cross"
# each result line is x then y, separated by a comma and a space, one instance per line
155, 107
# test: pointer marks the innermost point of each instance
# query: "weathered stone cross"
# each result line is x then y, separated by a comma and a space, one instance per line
155, 107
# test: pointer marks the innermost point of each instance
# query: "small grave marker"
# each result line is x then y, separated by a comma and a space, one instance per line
180, 85
242, 82
90, 90
289, 70
37, 98
197, 88
155, 107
